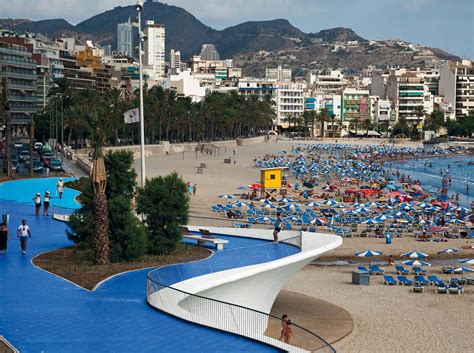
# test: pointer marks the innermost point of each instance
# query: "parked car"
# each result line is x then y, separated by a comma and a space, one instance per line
37, 165
24, 155
55, 165
15, 164
38, 146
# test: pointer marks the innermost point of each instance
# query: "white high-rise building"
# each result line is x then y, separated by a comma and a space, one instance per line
175, 61
125, 38
456, 85
154, 49
279, 74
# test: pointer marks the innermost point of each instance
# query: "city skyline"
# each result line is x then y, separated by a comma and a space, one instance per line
432, 23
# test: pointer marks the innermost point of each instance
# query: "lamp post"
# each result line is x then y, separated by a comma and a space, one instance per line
62, 130
142, 38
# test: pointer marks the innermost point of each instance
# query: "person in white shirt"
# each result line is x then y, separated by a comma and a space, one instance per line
46, 199
37, 201
23, 233
60, 187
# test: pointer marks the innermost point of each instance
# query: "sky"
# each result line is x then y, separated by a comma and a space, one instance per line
445, 24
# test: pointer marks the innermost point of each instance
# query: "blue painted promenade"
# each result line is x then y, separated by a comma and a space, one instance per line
40, 312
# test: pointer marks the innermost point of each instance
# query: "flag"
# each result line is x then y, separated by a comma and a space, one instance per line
132, 116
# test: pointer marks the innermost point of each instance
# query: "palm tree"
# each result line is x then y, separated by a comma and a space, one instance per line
354, 123
367, 125
322, 117
95, 112
308, 120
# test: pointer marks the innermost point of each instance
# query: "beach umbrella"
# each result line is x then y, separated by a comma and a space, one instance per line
463, 209
416, 263
239, 203
314, 204
330, 202
456, 221
265, 219
463, 269
319, 221
268, 206
370, 221
449, 251
415, 255
467, 261
368, 253
226, 196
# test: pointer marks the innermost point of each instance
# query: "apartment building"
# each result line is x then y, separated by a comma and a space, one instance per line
125, 38
154, 49
355, 104
18, 71
278, 74
456, 85
328, 81
408, 92
290, 101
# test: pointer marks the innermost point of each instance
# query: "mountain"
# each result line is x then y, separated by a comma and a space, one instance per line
338, 34
253, 45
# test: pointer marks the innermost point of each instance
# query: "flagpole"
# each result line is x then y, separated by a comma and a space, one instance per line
139, 8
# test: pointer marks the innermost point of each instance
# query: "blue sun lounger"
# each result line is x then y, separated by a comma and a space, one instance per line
376, 270
421, 280
434, 280
419, 271
404, 281
363, 269
441, 287
401, 270
389, 280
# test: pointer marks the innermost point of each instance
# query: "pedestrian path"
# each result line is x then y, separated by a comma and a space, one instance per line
40, 312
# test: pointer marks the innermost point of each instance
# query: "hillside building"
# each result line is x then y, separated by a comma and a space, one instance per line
209, 53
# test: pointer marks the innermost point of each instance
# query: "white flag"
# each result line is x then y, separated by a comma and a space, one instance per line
132, 116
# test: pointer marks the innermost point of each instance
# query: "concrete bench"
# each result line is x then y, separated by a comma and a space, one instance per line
219, 243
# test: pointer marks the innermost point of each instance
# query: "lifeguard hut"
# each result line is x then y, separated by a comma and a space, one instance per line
272, 181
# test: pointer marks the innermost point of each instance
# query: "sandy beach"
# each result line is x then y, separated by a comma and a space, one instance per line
386, 319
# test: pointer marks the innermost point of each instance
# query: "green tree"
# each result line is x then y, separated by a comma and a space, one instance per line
322, 117
164, 203
434, 121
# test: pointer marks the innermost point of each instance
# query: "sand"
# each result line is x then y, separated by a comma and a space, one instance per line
386, 319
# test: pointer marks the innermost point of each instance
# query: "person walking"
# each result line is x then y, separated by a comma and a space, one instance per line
60, 187
194, 189
23, 233
46, 199
277, 227
284, 324
37, 201
4, 236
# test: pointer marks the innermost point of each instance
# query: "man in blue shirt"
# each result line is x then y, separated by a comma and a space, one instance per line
277, 227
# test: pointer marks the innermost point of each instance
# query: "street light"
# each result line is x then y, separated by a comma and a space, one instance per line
143, 37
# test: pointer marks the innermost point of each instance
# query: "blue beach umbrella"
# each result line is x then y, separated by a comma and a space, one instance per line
416, 263
330, 202
242, 188
314, 204
467, 261
456, 221
226, 196
370, 221
415, 255
463, 269
368, 253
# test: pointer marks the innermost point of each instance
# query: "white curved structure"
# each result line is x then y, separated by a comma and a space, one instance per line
255, 287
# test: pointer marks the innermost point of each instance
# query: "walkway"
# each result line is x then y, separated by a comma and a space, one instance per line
42, 312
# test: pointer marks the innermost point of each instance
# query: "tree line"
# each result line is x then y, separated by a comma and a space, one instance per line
168, 116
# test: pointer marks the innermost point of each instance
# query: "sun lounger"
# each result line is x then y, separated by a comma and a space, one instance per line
363, 269
417, 288
376, 270
441, 287
419, 271
401, 270
455, 288
433, 279
421, 280
447, 270
389, 280
404, 281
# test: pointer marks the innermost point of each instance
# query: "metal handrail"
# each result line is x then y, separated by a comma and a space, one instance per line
154, 286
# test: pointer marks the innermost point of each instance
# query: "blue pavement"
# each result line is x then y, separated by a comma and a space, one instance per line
40, 312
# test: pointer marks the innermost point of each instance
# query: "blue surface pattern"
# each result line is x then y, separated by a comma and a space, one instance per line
40, 312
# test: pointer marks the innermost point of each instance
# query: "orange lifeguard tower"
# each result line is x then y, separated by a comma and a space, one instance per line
272, 180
